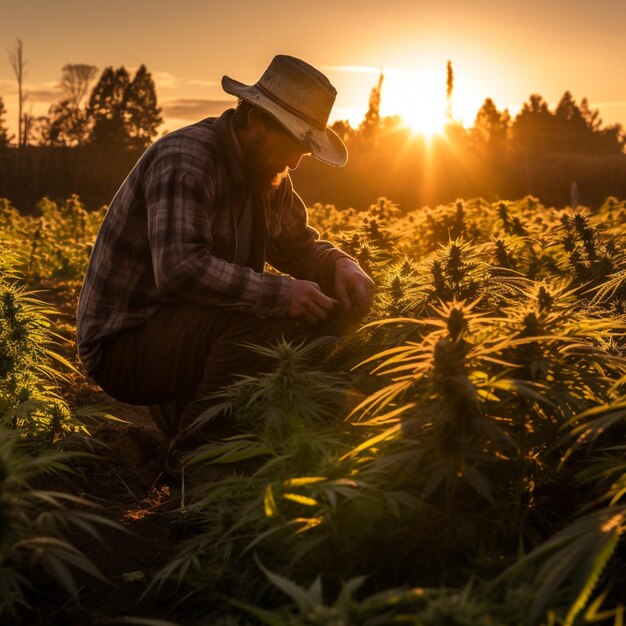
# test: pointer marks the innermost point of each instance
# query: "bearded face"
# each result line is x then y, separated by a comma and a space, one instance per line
268, 157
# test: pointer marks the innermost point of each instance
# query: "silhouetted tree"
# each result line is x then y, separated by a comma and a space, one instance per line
572, 133
591, 117
18, 64
370, 125
449, 89
67, 127
38, 129
75, 81
491, 128
571, 129
391, 123
122, 113
4, 131
532, 128
106, 109
344, 130
609, 140
68, 120
27, 123
612, 139
143, 114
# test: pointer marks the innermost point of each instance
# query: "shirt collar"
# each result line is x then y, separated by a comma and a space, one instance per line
231, 147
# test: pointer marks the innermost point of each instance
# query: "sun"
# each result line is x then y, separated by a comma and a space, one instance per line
419, 98
424, 119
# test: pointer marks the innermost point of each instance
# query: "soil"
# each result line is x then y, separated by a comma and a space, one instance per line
128, 484
126, 479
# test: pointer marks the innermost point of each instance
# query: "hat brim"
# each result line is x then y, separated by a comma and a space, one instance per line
325, 144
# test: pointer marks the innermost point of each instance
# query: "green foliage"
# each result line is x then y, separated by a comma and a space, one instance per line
36, 525
577, 554
421, 607
48, 251
54, 244
31, 366
471, 438
458, 460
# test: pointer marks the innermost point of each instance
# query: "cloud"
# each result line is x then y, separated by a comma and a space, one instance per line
352, 69
188, 109
165, 80
8, 86
368, 69
43, 95
37, 92
46, 92
202, 83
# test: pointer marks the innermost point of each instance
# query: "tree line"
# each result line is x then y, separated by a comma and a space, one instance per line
120, 112
92, 136
563, 156
571, 128
88, 140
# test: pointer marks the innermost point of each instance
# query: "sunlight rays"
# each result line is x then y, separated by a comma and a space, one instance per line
418, 97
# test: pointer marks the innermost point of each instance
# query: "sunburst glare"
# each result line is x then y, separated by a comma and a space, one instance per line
419, 98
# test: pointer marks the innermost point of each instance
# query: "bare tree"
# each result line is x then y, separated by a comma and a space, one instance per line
371, 123
16, 57
449, 90
68, 121
27, 120
75, 81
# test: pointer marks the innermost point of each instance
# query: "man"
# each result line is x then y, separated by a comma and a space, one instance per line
176, 280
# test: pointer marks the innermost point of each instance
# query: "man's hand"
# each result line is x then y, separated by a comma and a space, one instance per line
352, 285
308, 303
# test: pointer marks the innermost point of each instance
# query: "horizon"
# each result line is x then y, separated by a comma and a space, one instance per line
499, 51
185, 111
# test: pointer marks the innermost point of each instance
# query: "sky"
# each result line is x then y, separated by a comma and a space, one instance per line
504, 50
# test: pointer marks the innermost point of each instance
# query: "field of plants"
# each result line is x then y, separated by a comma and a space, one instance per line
456, 459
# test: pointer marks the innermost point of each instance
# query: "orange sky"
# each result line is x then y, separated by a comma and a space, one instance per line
503, 50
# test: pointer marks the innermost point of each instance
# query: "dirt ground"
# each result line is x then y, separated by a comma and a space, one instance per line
125, 478
127, 482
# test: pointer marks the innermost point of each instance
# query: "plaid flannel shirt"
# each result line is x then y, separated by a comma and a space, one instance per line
170, 236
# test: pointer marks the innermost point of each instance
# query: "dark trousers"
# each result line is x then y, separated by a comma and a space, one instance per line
183, 353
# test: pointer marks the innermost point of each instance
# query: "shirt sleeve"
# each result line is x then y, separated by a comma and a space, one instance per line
180, 207
297, 249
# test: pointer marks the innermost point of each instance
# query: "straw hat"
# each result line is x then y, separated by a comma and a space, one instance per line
300, 98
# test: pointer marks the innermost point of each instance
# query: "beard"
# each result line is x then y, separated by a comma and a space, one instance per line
277, 181
268, 180
261, 175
